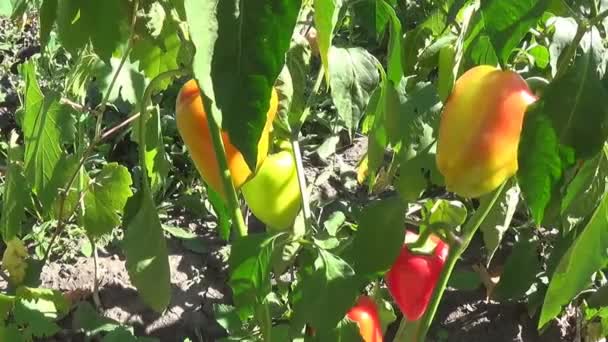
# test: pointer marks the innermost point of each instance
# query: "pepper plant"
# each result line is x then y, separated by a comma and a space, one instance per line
483, 120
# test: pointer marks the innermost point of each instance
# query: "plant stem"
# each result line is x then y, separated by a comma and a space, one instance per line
267, 322
302, 182
298, 153
229, 191
453, 256
63, 193
143, 117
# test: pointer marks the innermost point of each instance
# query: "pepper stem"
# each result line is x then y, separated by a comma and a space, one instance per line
454, 254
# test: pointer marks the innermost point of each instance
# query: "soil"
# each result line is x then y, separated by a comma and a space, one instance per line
199, 278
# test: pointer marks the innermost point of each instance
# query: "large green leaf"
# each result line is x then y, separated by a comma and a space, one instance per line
506, 22
380, 233
324, 295
394, 69
129, 85
103, 23
499, 219
353, 77
146, 251
158, 54
584, 192
48, 13
240, 51
157, 163
564, 125
587, 255
15, 194
326, 19
46, 125
520, 270
105, 198
250, 260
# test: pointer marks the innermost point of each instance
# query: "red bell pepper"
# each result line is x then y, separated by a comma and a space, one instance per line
413, 277
365, 314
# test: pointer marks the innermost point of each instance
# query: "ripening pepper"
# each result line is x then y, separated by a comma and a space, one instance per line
273, 194
413, 277
365, 314
193, 127
480, 129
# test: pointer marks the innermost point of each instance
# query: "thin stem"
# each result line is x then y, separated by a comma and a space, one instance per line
143, 117
266, 322
302, 182
115, 77
96, 298
63, 193
453, 256
407, 330
298, 153
229, 190
114, 129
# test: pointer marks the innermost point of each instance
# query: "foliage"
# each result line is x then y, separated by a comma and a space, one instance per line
92, 155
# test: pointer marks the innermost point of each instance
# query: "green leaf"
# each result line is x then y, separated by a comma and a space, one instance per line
541, 56
46, 125
520, 270
371, 17
464, 280
506, 22
27, 314
103, 23
250, 261
52, 303
394, 68
564, 125
297, 61
10, 332
587, 255
380, 233
228, 318
120, 334
353, 77
326, 18
146, 251
222, 213
49, 200
346, 331
412, 112
6, 307
584, 192
240, 51
443, 214
130, 83
16, 191
324, 296
105, 199
157, 55
6, 9
86, 318
499, 219
157, 164
48, 13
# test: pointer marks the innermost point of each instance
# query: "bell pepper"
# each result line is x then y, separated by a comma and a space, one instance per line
479, 130
192, 125
365, 314
412, 278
